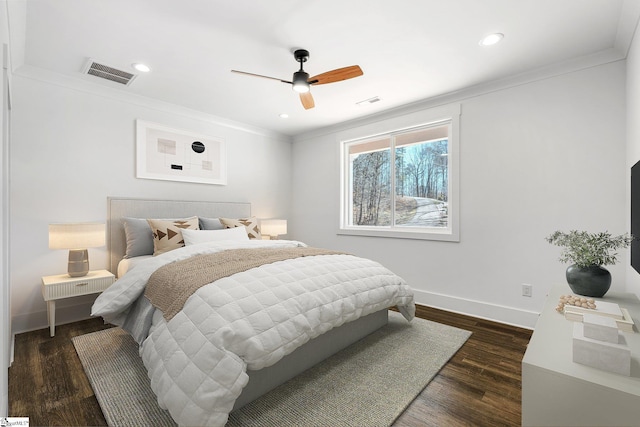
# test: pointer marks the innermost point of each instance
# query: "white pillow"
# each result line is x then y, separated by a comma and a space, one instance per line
193, 237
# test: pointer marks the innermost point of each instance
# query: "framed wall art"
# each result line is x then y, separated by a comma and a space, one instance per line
177, 155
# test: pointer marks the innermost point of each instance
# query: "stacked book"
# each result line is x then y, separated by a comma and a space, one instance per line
597, 342
603, 308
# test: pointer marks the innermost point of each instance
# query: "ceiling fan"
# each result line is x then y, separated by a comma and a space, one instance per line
301, 82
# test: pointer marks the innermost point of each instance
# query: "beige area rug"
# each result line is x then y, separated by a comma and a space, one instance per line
367, 384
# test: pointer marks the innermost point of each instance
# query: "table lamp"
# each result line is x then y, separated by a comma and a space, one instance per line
77, 237
273, 227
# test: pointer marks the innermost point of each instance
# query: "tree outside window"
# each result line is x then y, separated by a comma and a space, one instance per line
416, 164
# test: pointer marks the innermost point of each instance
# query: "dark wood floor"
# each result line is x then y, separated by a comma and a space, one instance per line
480, 385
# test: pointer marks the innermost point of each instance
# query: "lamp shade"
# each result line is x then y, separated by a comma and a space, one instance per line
80, 235
273, 227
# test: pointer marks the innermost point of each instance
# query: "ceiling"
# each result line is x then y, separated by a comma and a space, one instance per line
409, 50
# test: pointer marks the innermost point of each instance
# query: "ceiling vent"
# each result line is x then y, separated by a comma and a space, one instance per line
369, 101
108, 73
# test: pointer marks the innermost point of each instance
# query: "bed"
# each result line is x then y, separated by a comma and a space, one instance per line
306, 331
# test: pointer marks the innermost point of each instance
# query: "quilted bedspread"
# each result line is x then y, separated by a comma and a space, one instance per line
198, 360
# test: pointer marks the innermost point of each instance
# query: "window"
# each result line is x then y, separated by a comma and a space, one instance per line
402, 183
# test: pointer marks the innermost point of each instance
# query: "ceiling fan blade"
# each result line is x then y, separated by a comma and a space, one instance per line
336, 75
307, 100
260, 75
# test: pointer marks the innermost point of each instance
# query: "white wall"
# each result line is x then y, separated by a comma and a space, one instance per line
633, 137
535, 158
5, 332
72, 147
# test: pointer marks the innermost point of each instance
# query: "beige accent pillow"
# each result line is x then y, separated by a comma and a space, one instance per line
251, 225
167, 234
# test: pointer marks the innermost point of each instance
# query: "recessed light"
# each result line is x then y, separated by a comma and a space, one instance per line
141, 67
491, 39
284, 116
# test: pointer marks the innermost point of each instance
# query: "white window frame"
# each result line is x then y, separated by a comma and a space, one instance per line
394, 125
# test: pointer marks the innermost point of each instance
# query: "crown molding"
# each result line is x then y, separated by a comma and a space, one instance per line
565, 67
627, 25
119, 94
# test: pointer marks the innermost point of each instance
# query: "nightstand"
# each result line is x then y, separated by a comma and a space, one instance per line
63, 286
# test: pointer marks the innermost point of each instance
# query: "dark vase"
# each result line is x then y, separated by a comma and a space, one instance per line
592, 281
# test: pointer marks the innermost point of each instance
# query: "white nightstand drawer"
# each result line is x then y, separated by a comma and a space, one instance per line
63, 286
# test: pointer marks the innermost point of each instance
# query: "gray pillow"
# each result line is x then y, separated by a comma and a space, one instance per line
139, 237
210, 224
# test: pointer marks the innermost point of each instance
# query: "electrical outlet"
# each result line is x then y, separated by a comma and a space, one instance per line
527, 290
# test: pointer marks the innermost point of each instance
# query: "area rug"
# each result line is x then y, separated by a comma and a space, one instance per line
367, 384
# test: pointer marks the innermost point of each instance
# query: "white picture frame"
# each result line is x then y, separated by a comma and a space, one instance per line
171, 154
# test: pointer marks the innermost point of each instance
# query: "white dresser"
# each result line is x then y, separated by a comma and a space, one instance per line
558, 392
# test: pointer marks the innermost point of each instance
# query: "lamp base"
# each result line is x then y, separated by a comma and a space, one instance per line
78, 262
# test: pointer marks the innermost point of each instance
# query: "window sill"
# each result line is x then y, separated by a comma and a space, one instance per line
446, 236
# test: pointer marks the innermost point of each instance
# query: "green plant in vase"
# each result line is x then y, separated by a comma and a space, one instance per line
588, 253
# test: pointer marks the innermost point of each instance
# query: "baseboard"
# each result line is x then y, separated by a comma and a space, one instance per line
483, 310
480, 309
38, 320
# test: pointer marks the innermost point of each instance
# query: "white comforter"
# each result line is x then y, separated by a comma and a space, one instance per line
197, 361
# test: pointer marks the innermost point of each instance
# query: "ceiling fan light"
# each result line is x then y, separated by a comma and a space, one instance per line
301, 87
300, 82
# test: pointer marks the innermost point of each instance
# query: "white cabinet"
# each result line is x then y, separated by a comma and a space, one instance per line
558, 392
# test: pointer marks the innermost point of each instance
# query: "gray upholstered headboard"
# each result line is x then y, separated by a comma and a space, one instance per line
117, 208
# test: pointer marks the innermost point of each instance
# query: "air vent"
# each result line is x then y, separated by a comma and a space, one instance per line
109, 73
369, 101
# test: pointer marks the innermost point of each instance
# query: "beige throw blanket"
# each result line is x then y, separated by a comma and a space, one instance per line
170, 286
